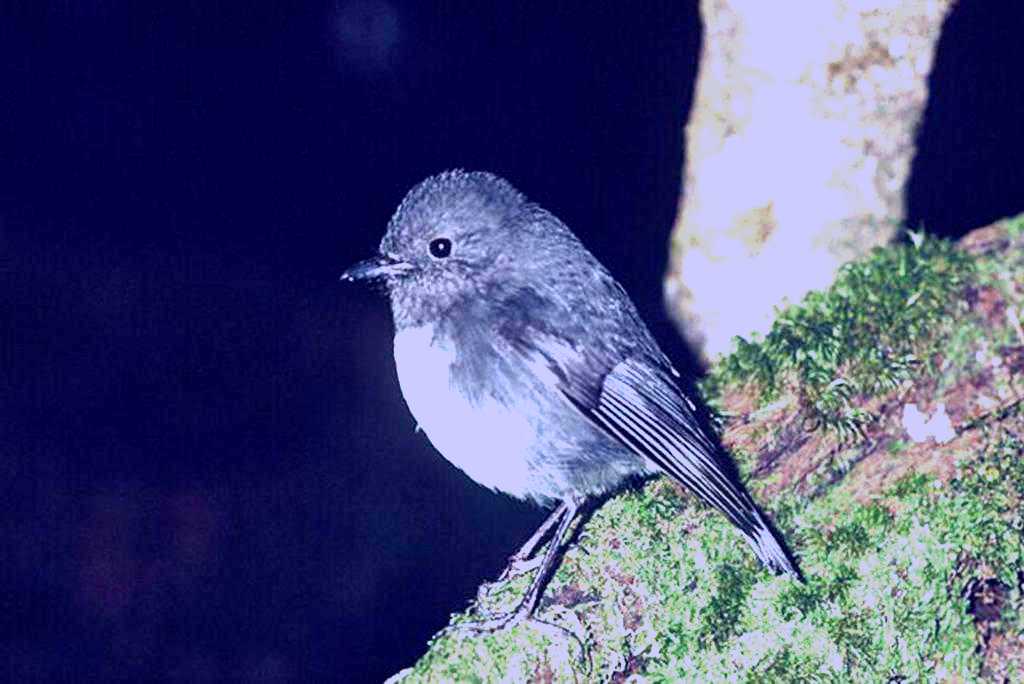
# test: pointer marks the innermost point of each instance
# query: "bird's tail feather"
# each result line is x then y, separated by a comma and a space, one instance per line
713, 485
706, 478
769, 551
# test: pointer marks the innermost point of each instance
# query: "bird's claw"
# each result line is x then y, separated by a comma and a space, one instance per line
504, 621
496, 623
519, 566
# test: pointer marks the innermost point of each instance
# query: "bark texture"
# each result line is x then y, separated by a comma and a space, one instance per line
798, 149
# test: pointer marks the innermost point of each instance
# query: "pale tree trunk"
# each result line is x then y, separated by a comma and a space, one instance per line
798, 150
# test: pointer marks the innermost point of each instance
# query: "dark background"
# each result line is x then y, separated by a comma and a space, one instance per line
206, 467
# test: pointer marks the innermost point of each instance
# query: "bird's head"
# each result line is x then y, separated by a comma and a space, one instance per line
458, 238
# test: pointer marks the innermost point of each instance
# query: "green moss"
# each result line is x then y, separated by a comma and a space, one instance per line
1015, 226
985, 520
868, 333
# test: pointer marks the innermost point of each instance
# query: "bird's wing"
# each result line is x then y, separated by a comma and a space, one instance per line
634, 398
642, 407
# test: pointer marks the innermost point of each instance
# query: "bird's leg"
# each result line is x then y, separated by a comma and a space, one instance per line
523, 560
570, 509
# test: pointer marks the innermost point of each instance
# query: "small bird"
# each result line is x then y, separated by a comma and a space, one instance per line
529, 368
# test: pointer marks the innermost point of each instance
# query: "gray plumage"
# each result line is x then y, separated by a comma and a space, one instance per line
527, 365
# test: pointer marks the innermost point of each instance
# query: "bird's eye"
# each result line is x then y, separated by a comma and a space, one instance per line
440, 248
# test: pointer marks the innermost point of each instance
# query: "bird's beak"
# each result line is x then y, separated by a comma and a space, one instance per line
378, 267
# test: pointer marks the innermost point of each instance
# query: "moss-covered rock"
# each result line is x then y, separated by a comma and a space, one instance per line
913, 550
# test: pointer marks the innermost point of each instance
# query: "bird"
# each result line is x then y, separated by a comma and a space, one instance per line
528, 367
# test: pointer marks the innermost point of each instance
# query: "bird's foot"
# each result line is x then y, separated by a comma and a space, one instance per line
521, 616
519, 566
490, 625
494, 624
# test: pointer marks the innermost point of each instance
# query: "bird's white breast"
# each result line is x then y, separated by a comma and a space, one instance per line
482, 436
